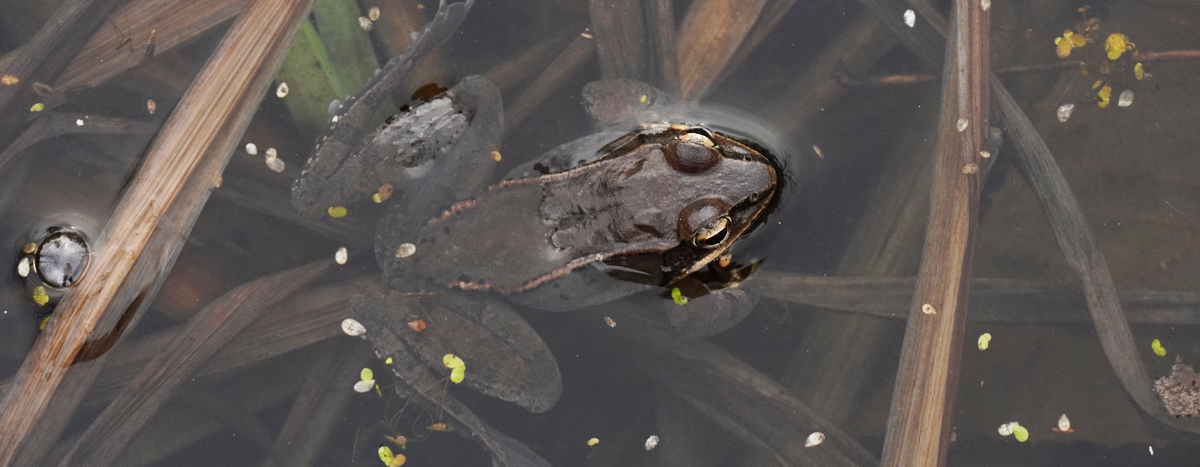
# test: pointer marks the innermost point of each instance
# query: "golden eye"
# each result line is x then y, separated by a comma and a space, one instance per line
713, 233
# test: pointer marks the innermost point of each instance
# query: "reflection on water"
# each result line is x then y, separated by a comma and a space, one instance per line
804, 360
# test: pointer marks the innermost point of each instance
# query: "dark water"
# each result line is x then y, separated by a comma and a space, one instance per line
1133, 169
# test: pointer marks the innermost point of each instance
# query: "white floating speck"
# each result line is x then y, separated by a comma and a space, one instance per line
1064, 423
405, 250
281, 90
985, 4
274, 163
651, 442
1151, 450
1064, 112
335, 119
1007, 429
251, 149
928, 309
352, 327
1125, 99
607, 320
365, 23
341, 255
985, 154
910, 18
814, 439
961, 124
373, 13
23, 267
364, 386
79, 122
413, 35
272, 153
586, 35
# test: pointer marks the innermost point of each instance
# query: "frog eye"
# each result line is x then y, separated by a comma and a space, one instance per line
691, 156
713, 233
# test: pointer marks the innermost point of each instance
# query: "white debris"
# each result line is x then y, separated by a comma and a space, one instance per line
373, 13
1007, 429
353, 328
405, 250
364, 386
1064, 423
910, 18
251, 149
365, 23
1125, 99
79, 121
985, 4
651, 442
23, 267
281, 91
341, 255
1064, 112
814, 439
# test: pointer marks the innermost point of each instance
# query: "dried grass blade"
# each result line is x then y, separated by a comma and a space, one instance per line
566, 64
923, 399
711, 33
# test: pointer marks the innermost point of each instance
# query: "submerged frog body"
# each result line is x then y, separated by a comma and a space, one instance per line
652, 206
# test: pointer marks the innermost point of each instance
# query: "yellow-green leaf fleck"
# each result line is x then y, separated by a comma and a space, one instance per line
377, 198
389, 459
39, 295
38, 107
1104, 94
1115, 45
366, 374
677, 295
452, 361
983, 340
388, 361
337, 212
1020, 433
457, 374
42, 325
1158, 348
1138, 71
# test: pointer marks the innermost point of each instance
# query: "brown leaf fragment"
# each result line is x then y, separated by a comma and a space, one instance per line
1180, 392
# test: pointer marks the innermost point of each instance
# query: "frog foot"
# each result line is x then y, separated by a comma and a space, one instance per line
503, 355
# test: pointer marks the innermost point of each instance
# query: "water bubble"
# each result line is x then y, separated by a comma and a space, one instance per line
62, 258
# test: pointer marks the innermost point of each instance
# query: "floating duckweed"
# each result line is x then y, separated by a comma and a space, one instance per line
496, 156
383, 193
39, 295
1019, 432
42, 325
814, 439
1139, 71
984, 339
9, 80
373, 13
961, 125
651, 442
281, 91
38, 107
337, 212
251, 149
593, 441
1125, 99
341, 255
1116, 44
644, 99
365, 23
610, 322
458, 369
353, 328
405, 250
1064, 112
910, 18
1104, 94
1068, 41
389, 459
388, 361
1156, 345
366, 374
677, 295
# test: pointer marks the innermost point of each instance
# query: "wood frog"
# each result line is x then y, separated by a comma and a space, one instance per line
597, 219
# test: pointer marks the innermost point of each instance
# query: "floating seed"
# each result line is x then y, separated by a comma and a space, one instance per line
820, 154
365, 23
961, 125
341, 255
610, 322
151, 106
405, 250
23, 266
651, 442
1125, 99
815, 439
38, 107
281, 91
1064, 112
40, 297
593, 441
910, 18
373, 13
251, 149
9, 80
983, 340
352, 327
928, 309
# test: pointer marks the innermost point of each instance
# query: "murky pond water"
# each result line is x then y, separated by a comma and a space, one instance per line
809, 342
